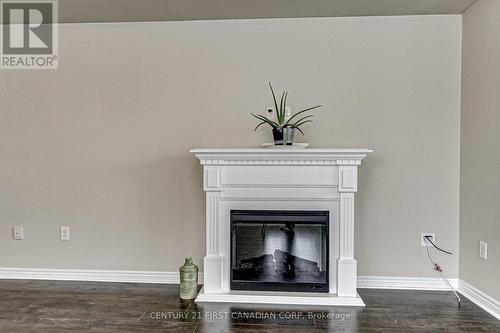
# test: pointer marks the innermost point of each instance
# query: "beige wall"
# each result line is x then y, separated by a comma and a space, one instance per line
480, 147
102, 143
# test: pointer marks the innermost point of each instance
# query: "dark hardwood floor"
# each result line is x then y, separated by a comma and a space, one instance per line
59, 306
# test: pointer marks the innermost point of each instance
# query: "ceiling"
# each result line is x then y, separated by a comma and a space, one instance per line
72, 11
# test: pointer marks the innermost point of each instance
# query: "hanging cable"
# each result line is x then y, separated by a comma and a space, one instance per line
440, 249
438, 268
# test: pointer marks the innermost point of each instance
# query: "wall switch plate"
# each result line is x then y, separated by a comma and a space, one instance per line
483, 250
64, 233
18, 232
424, 241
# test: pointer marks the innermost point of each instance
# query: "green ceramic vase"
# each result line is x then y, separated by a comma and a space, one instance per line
189, 279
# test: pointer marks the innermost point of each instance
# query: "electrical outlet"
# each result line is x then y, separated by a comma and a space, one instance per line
483, 250
64, 233
270, 113
18, 232
424, 240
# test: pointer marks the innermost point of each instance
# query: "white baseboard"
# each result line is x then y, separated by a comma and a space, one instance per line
413, 283
377, 282
92, 275
487, 303
484, 301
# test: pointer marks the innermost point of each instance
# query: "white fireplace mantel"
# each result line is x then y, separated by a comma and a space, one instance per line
265, 156
280, 179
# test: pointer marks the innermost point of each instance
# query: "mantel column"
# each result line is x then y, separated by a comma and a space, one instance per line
347, 265
213, 260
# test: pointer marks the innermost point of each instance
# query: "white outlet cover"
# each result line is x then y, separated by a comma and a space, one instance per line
64, 233
483, 250
18, 232
424, 241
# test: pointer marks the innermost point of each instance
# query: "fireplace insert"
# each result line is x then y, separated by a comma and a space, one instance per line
276, 250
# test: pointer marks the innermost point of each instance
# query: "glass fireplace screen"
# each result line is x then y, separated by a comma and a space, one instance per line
274, 250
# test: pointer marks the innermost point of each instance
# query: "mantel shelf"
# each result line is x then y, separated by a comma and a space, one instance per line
269, 156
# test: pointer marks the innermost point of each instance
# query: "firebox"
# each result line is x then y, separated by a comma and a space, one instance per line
275, 250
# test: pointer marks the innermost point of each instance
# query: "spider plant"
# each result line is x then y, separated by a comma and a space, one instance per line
295, 121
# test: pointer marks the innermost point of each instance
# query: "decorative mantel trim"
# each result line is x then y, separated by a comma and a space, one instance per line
264, 156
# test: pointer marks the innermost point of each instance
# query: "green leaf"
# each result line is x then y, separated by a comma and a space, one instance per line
305, 110
262, 123
302, 123
282, 109
303, 118
264, 119
274, 99
311, 108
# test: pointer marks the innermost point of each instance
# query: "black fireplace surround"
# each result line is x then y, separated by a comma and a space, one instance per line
277, 250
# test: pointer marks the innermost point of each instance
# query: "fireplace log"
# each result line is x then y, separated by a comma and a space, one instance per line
295, 263
264, 262
280, 262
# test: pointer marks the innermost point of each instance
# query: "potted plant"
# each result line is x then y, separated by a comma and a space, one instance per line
285, 124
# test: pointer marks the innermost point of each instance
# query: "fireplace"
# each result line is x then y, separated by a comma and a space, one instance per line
275, 250
280, 225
